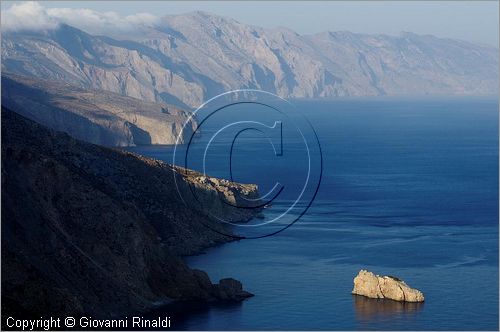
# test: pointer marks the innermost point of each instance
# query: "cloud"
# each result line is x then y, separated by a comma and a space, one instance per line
33, 16
27, 16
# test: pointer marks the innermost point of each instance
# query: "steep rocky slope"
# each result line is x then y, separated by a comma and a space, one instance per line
99, 117
96, 231
189, 58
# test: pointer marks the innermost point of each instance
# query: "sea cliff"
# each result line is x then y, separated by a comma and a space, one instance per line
95, 116
97, 231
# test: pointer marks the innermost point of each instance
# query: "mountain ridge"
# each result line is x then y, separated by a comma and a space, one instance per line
189, 58
96, 116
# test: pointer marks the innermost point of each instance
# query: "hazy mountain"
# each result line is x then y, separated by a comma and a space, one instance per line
95, 116
189, 58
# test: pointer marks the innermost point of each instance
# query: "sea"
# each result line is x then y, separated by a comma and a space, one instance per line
408, 187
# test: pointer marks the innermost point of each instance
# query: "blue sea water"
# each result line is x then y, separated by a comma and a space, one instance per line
409, 188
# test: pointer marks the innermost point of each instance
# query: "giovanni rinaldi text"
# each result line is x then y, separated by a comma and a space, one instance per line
51, 323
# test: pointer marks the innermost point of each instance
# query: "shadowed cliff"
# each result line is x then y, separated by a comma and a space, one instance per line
91, 230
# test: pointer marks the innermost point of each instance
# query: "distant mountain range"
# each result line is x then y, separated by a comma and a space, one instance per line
189, 58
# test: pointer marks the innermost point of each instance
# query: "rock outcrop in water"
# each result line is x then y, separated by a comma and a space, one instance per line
96, 231
371, 285
99, 117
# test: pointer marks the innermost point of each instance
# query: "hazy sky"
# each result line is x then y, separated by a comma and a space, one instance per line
475, 21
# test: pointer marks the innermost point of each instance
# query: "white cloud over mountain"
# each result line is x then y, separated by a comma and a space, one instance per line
27, 16
32, 15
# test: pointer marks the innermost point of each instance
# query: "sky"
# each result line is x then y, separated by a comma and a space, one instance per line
475, 21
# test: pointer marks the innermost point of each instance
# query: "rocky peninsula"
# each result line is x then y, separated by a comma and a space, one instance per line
98, 231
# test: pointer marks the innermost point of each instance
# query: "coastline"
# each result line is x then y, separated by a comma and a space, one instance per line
113, 214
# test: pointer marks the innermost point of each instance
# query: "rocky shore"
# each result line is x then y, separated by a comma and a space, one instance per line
220, 197
96, 231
